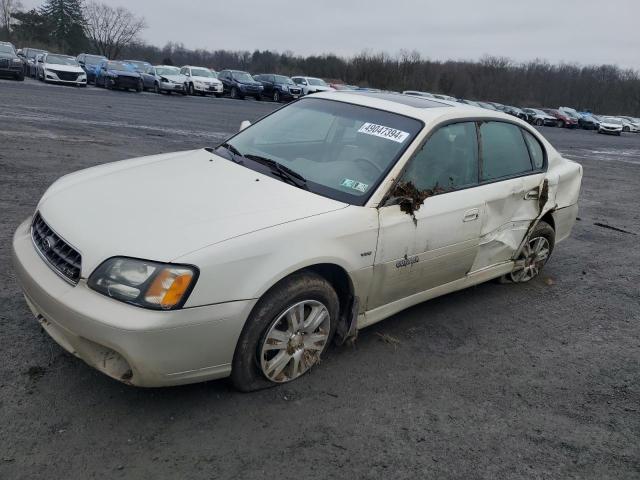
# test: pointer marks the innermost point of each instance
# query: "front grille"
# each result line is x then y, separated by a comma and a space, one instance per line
127, 82
4, 63
66, 76
294, 91
61, 257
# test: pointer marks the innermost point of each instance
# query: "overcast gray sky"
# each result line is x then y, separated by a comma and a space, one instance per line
584, 31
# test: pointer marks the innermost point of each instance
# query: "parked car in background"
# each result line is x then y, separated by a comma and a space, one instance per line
11, 65
55, 68
466, 101
487, 105
226, 291
539, 117
239, 84
311, 85
118, 75
202, 81
630, 124
30, 60
170, 80
342, 86
278, 87
498, 106
146, 72
418, 93
587, 121
89, 64
515, 111
610, 126
441, 96
563, 120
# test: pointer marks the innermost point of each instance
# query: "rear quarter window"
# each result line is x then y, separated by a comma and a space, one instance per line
536, 150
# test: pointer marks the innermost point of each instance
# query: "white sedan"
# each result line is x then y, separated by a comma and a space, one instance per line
248, 259
54, 68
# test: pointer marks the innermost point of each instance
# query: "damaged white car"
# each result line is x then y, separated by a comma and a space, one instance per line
326, 216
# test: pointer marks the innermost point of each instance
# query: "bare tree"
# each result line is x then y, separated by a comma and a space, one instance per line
111, 29
7, 10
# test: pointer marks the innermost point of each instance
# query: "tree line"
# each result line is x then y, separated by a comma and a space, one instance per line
73, 26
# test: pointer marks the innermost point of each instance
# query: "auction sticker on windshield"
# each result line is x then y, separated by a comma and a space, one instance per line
384, 132
355, 185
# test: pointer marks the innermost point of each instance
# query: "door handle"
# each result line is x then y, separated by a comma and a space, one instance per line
471, 215
532, 195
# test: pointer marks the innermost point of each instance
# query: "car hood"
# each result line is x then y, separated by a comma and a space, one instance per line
63, 68
165, 206
122, 73
175, 78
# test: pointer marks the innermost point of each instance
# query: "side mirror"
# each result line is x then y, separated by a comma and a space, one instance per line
244, 124
187, 74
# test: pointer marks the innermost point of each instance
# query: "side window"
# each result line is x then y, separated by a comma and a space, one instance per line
448, 161
537, 153
504, 152
183, 71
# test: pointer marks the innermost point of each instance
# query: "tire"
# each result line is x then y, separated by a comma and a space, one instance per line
20, 76
626, 129
218, 95
560, 124
276, 96
534, 255
234, 92
185, 90
140, 87
156, 88
539, 122
258, 97
191, 90
273, 314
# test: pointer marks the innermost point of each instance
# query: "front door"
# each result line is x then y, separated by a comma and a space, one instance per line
437, 243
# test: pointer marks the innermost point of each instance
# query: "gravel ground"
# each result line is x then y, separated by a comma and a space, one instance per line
498, 381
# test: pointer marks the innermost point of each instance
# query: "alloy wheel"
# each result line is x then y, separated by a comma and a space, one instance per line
294, 341
534, 255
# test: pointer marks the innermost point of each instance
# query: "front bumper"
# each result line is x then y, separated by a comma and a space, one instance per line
612, 131
172, 87
137, 346
207, 88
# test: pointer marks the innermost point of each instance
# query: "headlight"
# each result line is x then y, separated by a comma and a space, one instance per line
17, 60
158, 286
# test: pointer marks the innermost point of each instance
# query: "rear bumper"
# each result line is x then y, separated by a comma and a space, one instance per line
137, 346
564, 219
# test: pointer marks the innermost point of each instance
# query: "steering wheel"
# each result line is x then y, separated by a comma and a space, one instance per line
370, 163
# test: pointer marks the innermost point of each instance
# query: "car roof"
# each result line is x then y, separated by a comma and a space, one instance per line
421, 108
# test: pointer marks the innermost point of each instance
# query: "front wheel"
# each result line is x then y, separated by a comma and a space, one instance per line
560, 124
191, 90
156, 88
139, 87
539, 122
233, 93
287, 332
535, 253
276, 96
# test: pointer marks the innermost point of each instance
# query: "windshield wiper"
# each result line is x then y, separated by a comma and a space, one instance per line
236, 156
282, 171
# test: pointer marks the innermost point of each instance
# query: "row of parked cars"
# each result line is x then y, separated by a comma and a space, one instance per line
564, 117
140, 76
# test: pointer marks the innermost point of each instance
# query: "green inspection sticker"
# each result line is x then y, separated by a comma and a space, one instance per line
354, 185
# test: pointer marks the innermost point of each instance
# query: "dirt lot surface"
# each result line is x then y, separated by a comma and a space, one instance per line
497, 381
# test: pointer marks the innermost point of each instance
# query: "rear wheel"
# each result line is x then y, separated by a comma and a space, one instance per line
286, 333
534, 254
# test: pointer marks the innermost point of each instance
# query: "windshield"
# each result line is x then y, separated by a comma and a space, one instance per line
93, 59
119, 66
201, 72
243, 77
61, 60
317, 82
32, 53
6, 49
342, 150
616, 121
283, 79
143, 67
167, 70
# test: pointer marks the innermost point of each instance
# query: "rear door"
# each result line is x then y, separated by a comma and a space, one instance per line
512, 164
437, 243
